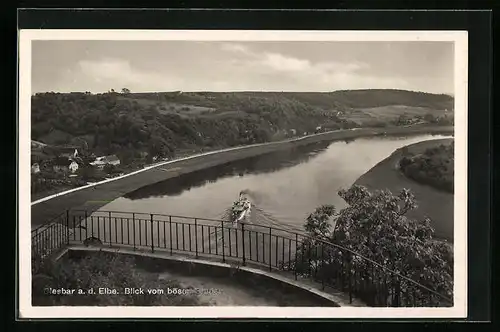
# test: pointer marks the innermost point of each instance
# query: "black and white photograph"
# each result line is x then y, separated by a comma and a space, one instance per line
302, 174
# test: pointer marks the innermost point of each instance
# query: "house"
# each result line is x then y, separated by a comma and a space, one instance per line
35, 168
73, 167
100, 162
112, 160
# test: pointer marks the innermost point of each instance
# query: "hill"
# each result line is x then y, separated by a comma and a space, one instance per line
164, 123
436, 204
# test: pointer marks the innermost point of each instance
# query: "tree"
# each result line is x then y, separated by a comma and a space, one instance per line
429, 117
318, 223
126, 156
87, 172
109, 168
374, 225
125, 91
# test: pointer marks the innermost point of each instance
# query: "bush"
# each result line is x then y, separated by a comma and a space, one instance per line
96, 271
434, 167
112, 169
374, 225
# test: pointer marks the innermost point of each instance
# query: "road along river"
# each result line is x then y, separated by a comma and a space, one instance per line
95, 196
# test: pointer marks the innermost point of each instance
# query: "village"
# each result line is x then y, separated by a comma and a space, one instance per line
56, 167
67, 161
62, 167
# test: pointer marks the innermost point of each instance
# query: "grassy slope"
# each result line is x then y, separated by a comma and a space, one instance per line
435, 204
381, 104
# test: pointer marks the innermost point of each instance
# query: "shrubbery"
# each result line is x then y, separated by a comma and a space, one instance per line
434, 167
374, 225
100, 270
112, 123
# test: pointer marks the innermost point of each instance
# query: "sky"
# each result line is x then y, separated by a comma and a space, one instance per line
160, 66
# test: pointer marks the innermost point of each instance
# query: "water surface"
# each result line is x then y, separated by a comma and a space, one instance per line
285, 186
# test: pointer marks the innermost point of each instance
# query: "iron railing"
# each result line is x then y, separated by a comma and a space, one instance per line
266, 247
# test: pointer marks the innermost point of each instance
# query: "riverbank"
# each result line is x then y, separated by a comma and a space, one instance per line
437, 205
93, 197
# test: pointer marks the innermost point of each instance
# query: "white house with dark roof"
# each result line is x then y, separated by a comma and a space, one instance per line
35, 168
106, 160
73, 167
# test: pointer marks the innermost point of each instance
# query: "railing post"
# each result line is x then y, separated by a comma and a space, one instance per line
349, 261
223, 256
86, 226
170, 235
110, 237
242, 241
196, 236
158, 234
67, 226
36, 245
270, 250
296, 250
152, 242
322, 267
397, 293
133, 226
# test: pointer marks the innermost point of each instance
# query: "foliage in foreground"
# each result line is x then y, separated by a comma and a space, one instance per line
101, 270
374, 225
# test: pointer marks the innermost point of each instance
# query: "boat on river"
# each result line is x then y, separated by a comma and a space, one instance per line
241, 209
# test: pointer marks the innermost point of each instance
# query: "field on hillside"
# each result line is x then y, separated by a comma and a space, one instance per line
391, 113
394, 111
349, 99
166, 107
362, 107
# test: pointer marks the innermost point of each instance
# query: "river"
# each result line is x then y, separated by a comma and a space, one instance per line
285, 186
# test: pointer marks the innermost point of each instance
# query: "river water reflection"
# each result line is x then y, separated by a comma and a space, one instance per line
285, 186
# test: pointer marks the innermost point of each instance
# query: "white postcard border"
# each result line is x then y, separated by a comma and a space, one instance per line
460, 39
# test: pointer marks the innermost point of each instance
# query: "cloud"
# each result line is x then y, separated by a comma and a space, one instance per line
117, 73
238, 68
304, 74
280, 62
115, 70
238, 65
235, 48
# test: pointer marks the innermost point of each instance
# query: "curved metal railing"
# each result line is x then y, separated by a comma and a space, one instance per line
272, 248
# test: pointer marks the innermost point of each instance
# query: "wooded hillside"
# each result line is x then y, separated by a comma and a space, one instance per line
160, 124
